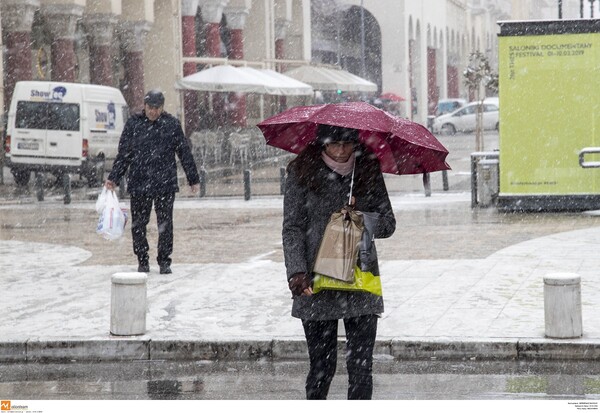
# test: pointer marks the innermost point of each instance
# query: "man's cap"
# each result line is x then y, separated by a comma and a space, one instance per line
332, 133
154, 98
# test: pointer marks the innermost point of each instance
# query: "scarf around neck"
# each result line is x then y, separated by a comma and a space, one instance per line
343, 169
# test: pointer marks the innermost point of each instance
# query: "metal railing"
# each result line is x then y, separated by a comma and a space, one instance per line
588, 164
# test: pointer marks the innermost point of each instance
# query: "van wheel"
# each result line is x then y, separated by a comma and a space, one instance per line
21, 176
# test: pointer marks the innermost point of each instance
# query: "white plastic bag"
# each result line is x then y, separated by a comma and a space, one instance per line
101, 201
113, 218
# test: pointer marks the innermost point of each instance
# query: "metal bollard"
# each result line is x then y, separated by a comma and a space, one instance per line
445, 184
247, 190
427, 184
562, 305
128, 304
66, 184
39, 185
202, 192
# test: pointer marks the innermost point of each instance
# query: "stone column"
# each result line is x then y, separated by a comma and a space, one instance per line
133, 35
17, 18
62, 23
281, 26
100, 29
212, 12
236, 21
189, 9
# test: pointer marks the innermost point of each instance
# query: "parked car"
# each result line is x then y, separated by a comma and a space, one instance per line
445, 106
465, 119
493, 99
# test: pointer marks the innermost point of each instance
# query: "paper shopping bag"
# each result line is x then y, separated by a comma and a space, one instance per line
338, 251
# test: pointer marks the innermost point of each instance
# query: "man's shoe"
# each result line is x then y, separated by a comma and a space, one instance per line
165, 269
143, 268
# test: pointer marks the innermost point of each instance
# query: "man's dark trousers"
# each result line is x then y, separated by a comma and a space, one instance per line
141, 207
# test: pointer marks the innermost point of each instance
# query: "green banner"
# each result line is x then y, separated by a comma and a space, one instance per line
549, 112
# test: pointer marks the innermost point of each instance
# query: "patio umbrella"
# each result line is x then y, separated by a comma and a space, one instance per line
227, 78
279, 84
222, 78
322, 78
402, 146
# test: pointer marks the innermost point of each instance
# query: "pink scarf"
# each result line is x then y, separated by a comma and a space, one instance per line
338, 167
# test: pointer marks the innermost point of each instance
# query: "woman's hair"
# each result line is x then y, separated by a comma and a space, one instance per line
331, 133
309, 162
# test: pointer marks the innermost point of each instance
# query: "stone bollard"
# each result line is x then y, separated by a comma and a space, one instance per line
562, 305
128, 304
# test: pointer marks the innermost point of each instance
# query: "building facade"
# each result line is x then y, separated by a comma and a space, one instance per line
414, 49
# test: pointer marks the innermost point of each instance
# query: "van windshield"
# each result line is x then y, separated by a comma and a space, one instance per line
47, 115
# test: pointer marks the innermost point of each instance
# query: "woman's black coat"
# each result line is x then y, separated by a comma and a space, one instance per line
305, 216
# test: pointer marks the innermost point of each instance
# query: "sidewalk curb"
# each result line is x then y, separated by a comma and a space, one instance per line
131, 349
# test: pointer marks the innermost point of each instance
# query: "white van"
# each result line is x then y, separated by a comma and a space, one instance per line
60, 128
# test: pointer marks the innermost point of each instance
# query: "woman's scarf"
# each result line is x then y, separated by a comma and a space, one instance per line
343, 169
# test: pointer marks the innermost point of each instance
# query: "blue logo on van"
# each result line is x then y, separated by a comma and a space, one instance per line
57, 94
112, 115
106, 119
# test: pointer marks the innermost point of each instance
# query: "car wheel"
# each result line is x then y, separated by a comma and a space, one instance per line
448, 129
21, 176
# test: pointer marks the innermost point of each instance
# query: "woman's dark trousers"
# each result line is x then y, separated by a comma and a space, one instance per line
141, 207
321, 337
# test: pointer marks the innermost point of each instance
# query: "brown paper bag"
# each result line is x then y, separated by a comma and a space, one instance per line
338, 251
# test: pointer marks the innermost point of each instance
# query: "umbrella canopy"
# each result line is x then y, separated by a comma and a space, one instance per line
321, 78
223, 78
392, 97
227, 78
402, 146
279, 84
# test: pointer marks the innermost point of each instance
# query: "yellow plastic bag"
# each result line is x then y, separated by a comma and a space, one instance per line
363, 281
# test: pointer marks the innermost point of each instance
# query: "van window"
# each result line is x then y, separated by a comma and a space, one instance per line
47, 115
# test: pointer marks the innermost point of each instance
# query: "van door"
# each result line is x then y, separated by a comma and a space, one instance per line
64, 141
29, 134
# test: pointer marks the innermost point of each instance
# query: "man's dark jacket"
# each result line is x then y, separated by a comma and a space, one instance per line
148, 150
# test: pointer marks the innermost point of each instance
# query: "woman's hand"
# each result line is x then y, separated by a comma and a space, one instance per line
348, 208
300, 284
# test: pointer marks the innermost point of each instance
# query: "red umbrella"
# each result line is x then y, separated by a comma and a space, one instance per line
403, 147
392, 97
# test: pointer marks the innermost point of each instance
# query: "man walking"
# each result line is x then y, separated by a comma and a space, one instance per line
147, 148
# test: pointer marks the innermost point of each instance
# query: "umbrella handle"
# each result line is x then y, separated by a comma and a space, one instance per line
352, 183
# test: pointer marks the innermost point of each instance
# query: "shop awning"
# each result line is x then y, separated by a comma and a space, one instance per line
227, 78
322, 78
